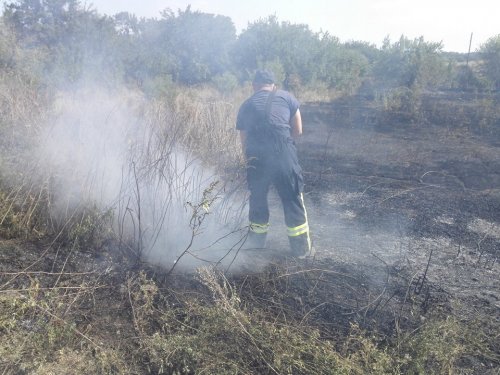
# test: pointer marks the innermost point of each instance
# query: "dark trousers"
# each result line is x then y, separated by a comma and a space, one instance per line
283, 171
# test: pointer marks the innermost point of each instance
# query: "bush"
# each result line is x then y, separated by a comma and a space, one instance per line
490, 52
226, 83
410, 63
401, 104
161, 86
345, 71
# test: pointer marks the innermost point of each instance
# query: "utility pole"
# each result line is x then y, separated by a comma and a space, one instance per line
468, 53
469, 73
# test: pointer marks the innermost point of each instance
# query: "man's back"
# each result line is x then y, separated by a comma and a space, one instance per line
263, 128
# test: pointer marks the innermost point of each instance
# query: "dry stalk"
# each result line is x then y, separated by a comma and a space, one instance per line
134, 315
199, 213
42, 256
481, 251
421, 280
221, 296
318, 270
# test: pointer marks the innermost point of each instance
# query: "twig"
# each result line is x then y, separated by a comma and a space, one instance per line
134, 315
138, 198
379, 297
200, 211
311, 310
47, 273
409, 191
57, 288
479, 244
418, 288
318, 270
66, 261
44, 252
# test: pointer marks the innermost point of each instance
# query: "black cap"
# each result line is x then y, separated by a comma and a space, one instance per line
264, 76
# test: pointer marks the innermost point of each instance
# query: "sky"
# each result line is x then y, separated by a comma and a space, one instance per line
447, 21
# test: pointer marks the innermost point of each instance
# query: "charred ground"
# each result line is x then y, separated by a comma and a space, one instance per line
404, 207
413, 196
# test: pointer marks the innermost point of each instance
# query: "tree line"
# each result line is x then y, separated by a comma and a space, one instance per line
65, 41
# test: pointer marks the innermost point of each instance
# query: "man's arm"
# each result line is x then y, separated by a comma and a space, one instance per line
296, 125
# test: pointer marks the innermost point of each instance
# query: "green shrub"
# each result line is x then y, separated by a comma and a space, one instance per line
402, 104
490, 52
226, 83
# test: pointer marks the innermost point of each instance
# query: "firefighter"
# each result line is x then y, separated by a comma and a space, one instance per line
269, 122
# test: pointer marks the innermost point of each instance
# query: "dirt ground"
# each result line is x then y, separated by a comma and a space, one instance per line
414, 200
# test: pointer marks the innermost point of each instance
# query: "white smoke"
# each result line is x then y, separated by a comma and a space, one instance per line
110, 149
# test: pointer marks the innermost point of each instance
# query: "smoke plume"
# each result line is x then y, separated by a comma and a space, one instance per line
116, 152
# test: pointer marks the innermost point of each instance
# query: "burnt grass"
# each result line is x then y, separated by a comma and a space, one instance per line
405, 218
408, 203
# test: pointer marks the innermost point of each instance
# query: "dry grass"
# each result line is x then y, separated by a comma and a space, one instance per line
111, 322
69, 307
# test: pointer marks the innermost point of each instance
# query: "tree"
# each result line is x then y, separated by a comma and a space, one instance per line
8, 47
78, 43
490, 52
43, 22
267, 42
340, 67
369, 50
411, 63
199, 43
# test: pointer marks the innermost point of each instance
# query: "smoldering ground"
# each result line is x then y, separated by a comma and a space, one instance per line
116, 152
121, 154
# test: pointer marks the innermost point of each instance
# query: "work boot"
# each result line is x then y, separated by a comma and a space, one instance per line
301, 247
255, 240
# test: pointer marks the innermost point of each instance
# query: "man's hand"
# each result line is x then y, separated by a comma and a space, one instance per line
296, 125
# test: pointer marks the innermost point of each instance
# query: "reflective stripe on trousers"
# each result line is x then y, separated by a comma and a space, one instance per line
297, 231
259, 228
299, 237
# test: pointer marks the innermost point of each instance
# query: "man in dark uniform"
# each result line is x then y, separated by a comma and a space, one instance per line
268, 122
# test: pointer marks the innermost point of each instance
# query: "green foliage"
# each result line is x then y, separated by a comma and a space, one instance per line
295, 51
91, 228
370, 51
77, 43
191, 47
438, 345
70, 42
199, 42
42, 339
342, 69
217, 332
466, 78
267, 40
226, 83
8, 47
104, 323
212, 331
276, 66
45, 22
401, 104
411, 63
160, 86
490, 52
